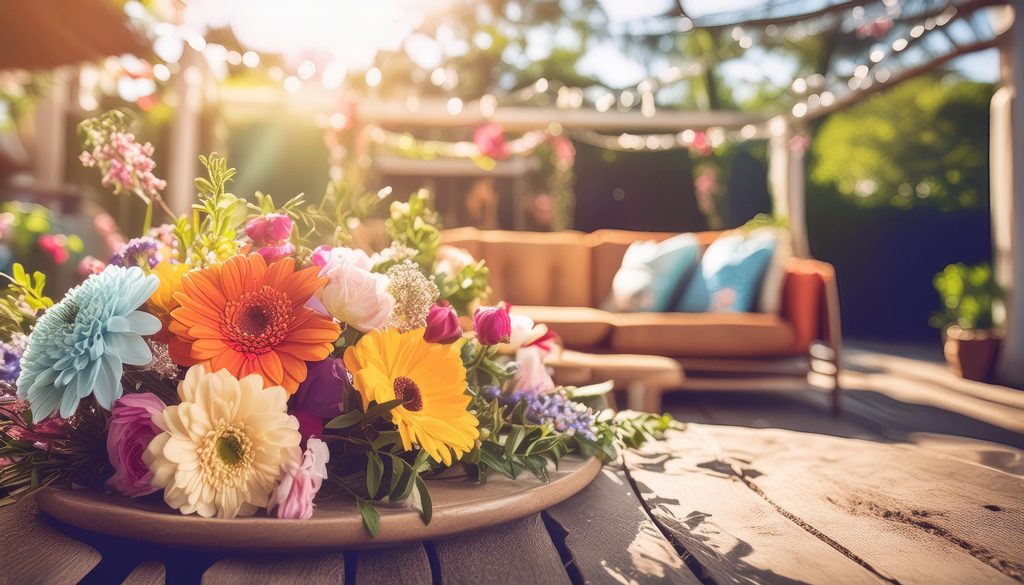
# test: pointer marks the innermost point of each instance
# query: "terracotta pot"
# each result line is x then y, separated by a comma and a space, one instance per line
971, 353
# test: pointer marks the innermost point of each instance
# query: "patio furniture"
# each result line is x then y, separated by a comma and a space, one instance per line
710, 504
562, 278
643, 377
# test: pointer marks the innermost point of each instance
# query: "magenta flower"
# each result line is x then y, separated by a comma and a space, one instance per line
276, 252
130, 432
292, 499
272, 228
442, 324
492, 324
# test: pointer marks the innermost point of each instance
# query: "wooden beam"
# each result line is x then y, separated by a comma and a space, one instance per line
1007, 196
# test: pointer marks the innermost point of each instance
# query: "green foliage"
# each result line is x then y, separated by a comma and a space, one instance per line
21, 301
210, 235
923, 142
25, 222
463, 289
414, 225
968, 294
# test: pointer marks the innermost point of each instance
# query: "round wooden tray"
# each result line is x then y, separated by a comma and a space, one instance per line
459, 505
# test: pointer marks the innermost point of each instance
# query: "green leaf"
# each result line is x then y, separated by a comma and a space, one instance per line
344, 421
401, 479
371, 518
427, 507
378, 410
374, 472
592, 390
512, 442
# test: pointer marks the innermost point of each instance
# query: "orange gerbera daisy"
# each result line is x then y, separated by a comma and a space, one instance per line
247, 317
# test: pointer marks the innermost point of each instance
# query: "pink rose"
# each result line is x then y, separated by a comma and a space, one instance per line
270, 228
353, 295
492, 324
300, 481
130, 432
442, 324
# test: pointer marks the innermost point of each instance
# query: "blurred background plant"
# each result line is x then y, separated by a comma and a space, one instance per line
969, 296
29, 234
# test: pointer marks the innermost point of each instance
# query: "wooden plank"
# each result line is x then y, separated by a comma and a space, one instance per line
324, 569
402, 565
734, 535
34, 552
612, 540
149, 572
913, 514
522, 549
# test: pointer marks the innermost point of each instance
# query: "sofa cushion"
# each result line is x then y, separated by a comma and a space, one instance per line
579, 327
702, 334
652, 273
728, 278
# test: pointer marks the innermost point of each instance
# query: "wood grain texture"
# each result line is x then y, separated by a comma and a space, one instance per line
149, 572
914, 515
521, 551
324, 569
731, 531
35, 553
612, 540
403, 565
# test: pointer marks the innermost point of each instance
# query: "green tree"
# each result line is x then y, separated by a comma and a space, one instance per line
924, 142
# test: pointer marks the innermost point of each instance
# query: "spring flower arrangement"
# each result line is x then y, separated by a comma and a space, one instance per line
242, 360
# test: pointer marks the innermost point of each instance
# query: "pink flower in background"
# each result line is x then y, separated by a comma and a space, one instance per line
490, 139
492, 324
292, 499
543, 209
127, 165
53, 246
130, 432
442, 324
564, 149
701, 145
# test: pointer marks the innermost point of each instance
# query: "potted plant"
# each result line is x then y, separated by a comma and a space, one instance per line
970, 332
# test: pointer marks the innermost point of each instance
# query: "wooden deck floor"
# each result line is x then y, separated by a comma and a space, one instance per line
891, 394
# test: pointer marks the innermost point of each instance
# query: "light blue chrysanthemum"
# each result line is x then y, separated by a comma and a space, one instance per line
79, 346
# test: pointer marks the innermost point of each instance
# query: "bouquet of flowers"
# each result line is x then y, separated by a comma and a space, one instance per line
244, 359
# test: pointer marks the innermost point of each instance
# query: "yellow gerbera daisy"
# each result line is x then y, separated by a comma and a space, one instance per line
430, 377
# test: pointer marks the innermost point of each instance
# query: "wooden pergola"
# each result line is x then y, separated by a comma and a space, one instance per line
193, 94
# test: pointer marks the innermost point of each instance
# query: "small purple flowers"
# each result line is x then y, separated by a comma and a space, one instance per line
10, 357
138, 252
558, 410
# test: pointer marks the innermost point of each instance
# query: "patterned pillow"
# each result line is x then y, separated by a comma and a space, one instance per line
652, 273
729, 276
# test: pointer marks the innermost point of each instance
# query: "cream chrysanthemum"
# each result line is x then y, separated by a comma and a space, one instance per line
222, 448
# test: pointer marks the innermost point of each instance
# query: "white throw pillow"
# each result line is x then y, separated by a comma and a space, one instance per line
651, 273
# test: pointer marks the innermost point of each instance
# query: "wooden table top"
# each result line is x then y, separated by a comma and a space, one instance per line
709, 505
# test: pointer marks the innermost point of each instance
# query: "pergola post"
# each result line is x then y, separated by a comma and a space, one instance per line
184, 132
1007, 195
50, 131
787, 177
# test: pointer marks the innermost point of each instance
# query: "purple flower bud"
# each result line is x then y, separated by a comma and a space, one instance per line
492, 324
270, 228
321, 255
442, 324
319, 396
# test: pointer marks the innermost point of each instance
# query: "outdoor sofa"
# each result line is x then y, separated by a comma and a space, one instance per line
563, 278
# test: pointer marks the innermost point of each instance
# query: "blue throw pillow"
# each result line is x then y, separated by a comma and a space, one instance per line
651, 274
728, 278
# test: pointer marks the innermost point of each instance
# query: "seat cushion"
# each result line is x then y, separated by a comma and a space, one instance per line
732, 335
579, 327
